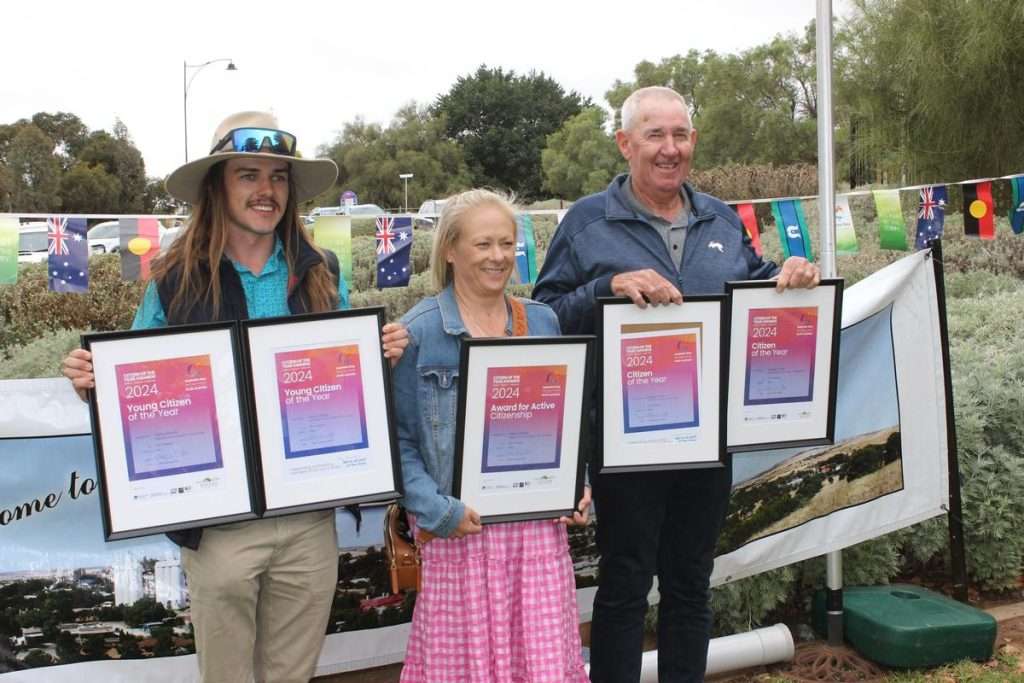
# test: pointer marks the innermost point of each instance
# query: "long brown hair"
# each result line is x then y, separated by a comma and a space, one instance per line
200, 247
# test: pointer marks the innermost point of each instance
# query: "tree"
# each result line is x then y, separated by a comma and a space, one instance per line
119, 157
89, 189
580, 157
502, 121
35, 170
6, 190
68, 133
157, 200
370, 158
758, 106
143, 611
37, 658
929, 89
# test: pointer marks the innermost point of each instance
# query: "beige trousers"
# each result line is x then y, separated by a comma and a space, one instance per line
261, 595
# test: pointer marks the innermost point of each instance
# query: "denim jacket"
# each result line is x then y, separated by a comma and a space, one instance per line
602, 236
426, 387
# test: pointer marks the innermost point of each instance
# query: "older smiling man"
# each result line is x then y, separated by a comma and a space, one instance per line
652, 238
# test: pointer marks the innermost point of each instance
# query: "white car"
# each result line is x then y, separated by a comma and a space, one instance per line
33, 244
105, 238
428, 213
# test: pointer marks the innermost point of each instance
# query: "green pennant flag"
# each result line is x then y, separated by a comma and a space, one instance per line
8, 250
846, 236
892, 230
335, 233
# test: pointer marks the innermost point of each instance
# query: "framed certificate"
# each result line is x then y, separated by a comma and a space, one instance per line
783, 364
320, 393
518, 440
170, 429
662, 384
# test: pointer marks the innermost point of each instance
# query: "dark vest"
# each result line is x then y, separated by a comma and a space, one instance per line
233, 307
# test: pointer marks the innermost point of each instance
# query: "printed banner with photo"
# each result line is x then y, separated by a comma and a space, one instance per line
118, 611
886, 469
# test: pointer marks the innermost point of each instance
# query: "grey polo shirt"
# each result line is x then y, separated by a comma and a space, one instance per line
672, 232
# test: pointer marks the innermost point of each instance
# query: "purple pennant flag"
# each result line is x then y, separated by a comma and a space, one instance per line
69, 254
394, 246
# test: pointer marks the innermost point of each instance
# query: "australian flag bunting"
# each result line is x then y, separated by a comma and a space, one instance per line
931, 214
68, 254
394, 245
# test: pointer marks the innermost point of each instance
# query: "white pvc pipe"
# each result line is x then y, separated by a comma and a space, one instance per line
740, 651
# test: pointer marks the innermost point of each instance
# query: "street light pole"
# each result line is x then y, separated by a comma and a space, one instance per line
187, 83
405, 177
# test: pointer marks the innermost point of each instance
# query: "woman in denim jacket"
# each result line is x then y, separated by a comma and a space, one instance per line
498, 603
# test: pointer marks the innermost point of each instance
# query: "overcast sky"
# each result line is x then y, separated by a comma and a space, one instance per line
319, 65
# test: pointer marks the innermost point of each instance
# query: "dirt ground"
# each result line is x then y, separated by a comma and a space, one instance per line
1009, 643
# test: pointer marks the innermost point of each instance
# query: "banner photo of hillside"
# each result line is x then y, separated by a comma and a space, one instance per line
74, 608
887, 467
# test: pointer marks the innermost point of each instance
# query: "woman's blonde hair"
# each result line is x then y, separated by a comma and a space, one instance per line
450, 225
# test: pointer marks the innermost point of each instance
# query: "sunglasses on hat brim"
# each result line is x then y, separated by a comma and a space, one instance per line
256, 140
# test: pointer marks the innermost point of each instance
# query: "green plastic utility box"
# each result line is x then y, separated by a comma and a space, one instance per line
909, 627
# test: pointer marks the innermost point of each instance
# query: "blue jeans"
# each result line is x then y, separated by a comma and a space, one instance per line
663, 523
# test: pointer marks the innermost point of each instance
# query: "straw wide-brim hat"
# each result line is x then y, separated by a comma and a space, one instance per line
311, 176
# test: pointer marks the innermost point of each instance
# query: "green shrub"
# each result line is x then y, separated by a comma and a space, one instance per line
28, 310
40, 357
752, 181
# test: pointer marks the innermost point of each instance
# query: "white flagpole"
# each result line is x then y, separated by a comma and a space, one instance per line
827, 223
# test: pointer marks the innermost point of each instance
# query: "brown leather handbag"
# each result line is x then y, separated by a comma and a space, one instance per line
400, 551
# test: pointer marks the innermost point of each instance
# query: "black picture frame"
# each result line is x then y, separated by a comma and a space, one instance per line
376, 401
111, 350
741, 438
576, 409
611, 310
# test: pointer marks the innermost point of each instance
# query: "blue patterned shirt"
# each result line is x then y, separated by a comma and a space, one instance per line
266, 293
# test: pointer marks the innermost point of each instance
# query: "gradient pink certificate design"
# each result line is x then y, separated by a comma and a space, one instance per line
523, 418
659, 382
169, 417
781, 346
321, 396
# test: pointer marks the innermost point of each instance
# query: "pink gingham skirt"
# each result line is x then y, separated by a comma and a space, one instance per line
497, 607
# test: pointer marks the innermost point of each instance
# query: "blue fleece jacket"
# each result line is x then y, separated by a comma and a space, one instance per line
602, 236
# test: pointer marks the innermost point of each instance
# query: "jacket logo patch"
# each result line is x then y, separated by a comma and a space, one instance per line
716, 245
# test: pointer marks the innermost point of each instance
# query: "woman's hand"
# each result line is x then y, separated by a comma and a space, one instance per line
395, 339
469, 524
77, 367
582, 512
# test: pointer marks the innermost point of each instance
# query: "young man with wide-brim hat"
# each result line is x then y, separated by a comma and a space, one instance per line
261, 591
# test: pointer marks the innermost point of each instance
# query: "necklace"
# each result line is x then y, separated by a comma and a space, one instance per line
476, 328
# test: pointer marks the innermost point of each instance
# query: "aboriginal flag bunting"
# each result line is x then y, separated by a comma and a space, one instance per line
978, 211
140, 242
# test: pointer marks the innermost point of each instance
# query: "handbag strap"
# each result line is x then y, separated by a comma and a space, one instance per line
519, 326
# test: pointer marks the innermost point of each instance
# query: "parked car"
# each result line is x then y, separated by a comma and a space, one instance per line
33, 244
427, 214
355, 210
105, 238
